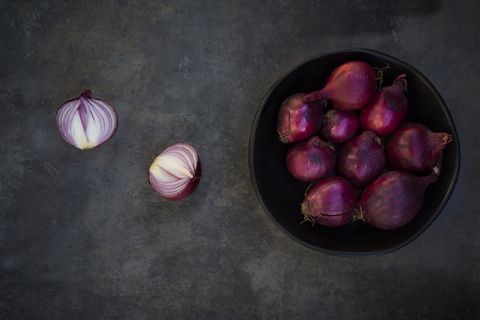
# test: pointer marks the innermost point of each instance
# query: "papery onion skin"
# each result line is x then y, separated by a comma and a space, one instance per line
189, 184
85, 122
330, 202
387, 109
349, 87
393, 199
311, 160
339, 126
362, 159
414, 148
298, 120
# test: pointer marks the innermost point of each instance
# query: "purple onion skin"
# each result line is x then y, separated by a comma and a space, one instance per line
311, 160
349, 87
330, 202
361, 160
414, 148
387, 109
298, 120
339, 126
393, 199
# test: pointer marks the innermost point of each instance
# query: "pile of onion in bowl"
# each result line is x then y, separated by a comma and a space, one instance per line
352, 142
281, 195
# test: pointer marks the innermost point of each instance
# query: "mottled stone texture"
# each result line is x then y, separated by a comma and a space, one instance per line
82, 234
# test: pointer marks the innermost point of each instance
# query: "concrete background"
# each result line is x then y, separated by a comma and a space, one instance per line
83, 235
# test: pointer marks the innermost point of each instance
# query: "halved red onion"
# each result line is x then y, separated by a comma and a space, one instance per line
176, 172
86, 122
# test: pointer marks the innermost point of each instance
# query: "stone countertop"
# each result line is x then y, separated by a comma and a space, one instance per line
84, 236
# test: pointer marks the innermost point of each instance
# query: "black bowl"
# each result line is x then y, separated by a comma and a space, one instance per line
281, 194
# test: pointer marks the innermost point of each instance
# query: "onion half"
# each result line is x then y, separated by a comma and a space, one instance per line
86, 122
176, 172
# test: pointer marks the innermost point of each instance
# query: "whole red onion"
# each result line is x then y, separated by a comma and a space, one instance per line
362, 159
298, 120
414, 148
387, 109
330, 202
339, 126
393, 199
349, 87
311, 160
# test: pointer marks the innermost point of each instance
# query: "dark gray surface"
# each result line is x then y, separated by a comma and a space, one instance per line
83, 235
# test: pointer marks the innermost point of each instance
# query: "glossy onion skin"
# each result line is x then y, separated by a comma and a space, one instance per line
349, 87
339, 126
414, 148
298, 120
361, 160
311, 160
393, 199
330, 202
387, 109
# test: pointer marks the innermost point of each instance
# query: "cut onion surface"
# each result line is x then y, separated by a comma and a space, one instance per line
86, 122
176, 172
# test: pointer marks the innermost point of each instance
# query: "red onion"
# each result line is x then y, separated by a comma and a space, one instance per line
349, 87
414, 148
387, 109
176, 172
339, 126
85, 122
311, 160
393, 199
298, 120
362, 159
330, 202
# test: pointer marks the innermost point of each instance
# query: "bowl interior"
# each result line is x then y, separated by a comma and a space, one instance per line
281, 194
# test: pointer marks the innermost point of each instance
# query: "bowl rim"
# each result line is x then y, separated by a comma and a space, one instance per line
346, 253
